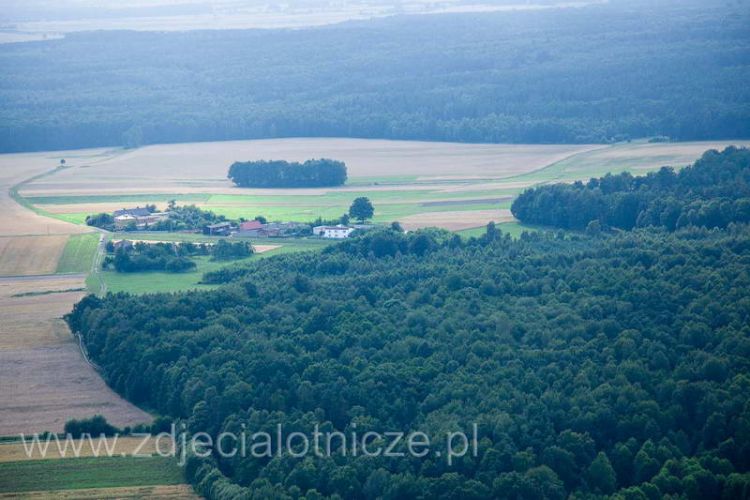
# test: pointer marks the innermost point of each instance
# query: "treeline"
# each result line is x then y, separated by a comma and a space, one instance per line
592, 365
713, 193
279, 173
580, 75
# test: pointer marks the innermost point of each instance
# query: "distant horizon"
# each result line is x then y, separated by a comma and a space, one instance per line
35, 20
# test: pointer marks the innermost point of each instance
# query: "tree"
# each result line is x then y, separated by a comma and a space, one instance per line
361, 209
600, 475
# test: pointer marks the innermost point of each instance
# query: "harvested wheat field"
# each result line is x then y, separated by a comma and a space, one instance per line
202, 167
456, 221
265, 248
108, 446
30, 255
19, 220
44, 378
31, 310
175, 492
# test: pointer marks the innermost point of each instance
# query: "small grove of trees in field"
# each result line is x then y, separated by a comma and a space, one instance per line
97, 425
101, 220
225, 250
279, 173
94, 426
713, 192
141, 256
170, 257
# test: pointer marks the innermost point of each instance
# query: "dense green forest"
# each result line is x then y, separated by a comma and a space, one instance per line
592, 363
280, 173
713, 192
611, 71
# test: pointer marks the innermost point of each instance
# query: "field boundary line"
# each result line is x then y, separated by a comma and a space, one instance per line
553, 164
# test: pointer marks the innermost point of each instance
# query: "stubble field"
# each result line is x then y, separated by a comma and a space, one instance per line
455, 186
44, 379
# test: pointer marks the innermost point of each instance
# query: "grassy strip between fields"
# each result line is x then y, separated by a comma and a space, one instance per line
79, 253
93, 472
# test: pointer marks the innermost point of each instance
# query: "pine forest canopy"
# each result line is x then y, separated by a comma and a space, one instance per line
593, 364
279, 173
579, 75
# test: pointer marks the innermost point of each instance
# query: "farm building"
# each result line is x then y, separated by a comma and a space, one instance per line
134, 212
140, 217
122, 245
218, 229
333, 232
256, 228
252, 228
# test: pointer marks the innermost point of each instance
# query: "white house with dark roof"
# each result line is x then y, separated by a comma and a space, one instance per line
334, 232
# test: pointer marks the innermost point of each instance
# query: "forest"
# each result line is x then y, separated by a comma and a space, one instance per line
608, 72
280, 173
714, 192
593, 363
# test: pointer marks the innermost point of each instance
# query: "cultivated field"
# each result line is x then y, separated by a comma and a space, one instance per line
29, 255
455, 186
119, 446
80, 473
78, 254
44, 379
171, 492
17, 220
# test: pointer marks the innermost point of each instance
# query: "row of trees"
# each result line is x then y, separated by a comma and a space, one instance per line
581, 380
545, 76
279, 173
713, 192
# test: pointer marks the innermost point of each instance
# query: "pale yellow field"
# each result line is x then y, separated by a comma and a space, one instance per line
109, 446
95, 208
31, 321
175, 492
29, 255
44, 379
202, 167
375, 166
456, 220
16, 220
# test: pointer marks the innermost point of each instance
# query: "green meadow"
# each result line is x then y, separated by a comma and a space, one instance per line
79, 253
